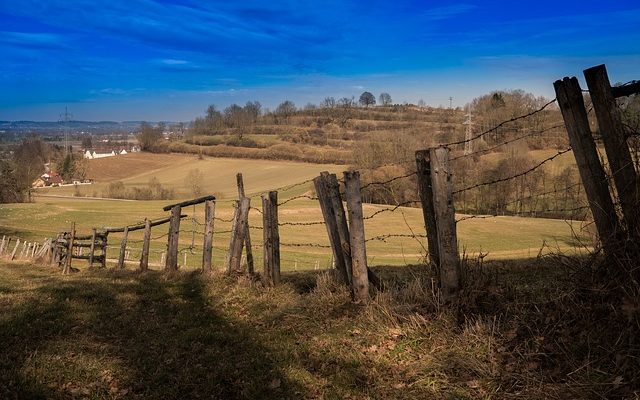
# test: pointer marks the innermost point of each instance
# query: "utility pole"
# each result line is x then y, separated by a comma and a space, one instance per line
450, 102
65, 118
468, 145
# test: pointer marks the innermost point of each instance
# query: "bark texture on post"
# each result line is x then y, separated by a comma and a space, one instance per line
238, 234
172, 240
146, 242
275, 237
449, 269
247, 240
207, 246
592, 174
615, 145
423, 164
123, 248
333, 189
328, 213
360, 277
267, 254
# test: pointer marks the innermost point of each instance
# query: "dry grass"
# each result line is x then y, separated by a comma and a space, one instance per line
125, 335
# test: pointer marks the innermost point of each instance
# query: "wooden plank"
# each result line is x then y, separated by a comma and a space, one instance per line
275, 237
626, 90
425, 191
172, 240
615, 145
144, 257
449, 268
247, 241
360, 277
189, 202
2, 245
140, 226
322, 191
227, 261
207, 246
571, 102
103, 255
123, 248
238, 236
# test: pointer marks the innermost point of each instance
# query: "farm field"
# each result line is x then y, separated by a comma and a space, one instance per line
303, 246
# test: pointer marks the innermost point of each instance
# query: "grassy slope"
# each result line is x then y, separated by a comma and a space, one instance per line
106, 335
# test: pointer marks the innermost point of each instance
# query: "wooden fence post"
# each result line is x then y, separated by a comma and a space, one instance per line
123, 248
571, 104
172, 240
335, 201
423, 165
328, 213
267, 243
92, 248
274, 237
207, 246
2, 245
247, 240
449, 268
615, 145
144, 256
360, 277
67, 264
13, 253
238, 233
103, 255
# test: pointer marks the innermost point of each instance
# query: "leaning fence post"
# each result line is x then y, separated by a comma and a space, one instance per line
267, 254
144, 257
207, 246
449, 268
123, 248
615, 145
172, 241
335, 201
328, 213
423, 165
247, 240
13, 253
357, 239
592, 174
238, 233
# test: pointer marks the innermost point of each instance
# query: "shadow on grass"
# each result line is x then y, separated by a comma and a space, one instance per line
131, 336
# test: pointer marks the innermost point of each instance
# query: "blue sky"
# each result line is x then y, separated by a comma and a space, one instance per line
169, 59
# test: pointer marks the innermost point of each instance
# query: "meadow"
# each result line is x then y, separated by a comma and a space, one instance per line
303, 246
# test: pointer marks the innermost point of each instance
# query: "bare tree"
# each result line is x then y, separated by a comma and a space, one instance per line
385, 99
367, 99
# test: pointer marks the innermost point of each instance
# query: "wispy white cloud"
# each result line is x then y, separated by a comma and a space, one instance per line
446, 12
32, 40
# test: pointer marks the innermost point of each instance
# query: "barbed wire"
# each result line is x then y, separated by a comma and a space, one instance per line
506, 142
303, 196
318, 245
392, 209
501, 124
519, 214
384, 237
530, 170
301, 223
388, 181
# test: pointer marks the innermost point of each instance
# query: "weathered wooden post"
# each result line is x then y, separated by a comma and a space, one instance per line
103, 255
13, 253
144, 257
328, 213
172, 241
238, 233
92, 249
123, 248
271, 238
615, 145
449, 268
357, 239
2, 245
67, 264
592, 174
247, 240
335, 201
425, 190
207, 246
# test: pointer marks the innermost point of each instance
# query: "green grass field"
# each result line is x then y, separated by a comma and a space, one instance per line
303, 247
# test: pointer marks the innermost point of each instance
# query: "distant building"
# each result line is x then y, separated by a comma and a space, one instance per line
48, 179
